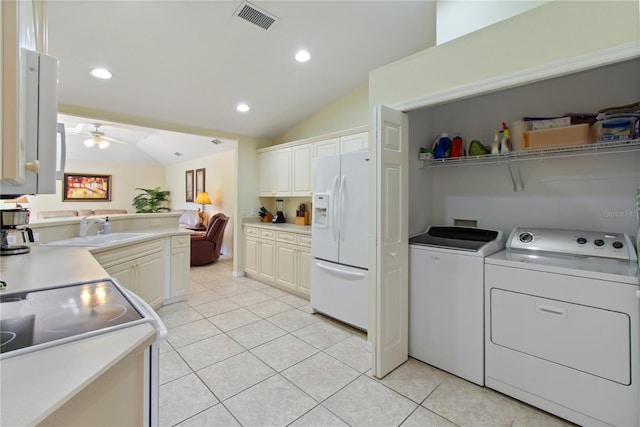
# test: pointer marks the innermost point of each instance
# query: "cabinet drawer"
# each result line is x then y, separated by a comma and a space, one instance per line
127, 253
180, 241
304, 240
283, 236
267, 234
251, 231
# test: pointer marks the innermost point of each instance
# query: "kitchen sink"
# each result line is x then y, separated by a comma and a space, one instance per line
97, 240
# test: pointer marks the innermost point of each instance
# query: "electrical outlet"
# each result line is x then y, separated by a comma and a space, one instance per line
254, 211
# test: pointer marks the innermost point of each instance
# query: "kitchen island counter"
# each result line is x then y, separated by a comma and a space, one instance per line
36, 384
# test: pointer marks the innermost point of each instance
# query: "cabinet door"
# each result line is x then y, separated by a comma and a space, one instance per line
329, 147
304, 270
302, 156
266, 259
251, 255
149, 274
180, 269
282, 171
266, 173
286, 265
355, 142
124, 274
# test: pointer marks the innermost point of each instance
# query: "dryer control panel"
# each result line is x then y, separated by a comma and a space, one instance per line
573, 242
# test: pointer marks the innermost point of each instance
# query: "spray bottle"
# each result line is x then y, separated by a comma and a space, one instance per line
495, 147
505, 145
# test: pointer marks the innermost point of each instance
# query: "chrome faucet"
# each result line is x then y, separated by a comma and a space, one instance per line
85, 224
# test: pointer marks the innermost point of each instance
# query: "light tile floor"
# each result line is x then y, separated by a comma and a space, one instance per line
243, 353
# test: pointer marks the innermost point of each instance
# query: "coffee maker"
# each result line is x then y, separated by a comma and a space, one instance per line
16, 236
279, 216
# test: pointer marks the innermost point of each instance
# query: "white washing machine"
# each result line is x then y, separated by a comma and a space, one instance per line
446, 298
563, 324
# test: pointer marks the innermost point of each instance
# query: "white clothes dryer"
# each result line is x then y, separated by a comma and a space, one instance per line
563, 324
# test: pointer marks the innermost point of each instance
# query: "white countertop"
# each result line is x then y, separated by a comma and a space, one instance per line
286, 226
35, 384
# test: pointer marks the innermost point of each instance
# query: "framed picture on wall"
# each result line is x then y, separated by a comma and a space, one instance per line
200, 180
188, 178
78, 187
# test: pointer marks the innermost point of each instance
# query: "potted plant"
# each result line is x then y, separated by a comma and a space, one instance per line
150, 200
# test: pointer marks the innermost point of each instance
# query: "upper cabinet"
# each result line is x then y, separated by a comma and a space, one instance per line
355, 142
301, 160
286, 170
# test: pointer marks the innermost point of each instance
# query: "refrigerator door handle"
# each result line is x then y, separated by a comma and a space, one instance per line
341, 232
342, 273
334, 208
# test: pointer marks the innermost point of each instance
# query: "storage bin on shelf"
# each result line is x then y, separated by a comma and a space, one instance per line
555, 137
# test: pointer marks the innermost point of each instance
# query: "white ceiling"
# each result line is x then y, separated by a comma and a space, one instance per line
191, 62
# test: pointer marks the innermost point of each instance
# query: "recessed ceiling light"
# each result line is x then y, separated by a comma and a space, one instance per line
243, 108
303, 56
101, 73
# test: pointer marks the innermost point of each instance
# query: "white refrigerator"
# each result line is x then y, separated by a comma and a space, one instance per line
340, 237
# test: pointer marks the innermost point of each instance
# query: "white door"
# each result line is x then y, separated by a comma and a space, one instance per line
353, 209
390, 317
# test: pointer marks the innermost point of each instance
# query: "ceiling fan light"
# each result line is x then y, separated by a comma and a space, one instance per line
89, 142
103, 144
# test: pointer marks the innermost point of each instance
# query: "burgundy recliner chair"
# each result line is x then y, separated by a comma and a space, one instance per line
205, 248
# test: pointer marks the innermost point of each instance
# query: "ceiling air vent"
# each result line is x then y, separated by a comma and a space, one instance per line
256, 16
216, 141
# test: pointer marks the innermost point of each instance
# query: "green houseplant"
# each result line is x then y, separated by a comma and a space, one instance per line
151, 200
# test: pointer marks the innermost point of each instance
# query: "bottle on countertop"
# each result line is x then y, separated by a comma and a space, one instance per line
495, 147
106, 228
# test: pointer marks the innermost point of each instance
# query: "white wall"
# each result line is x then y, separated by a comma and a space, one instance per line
590, 192
220, 183
125, 178
456, 18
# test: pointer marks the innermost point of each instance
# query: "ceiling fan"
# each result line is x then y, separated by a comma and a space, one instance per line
97, 138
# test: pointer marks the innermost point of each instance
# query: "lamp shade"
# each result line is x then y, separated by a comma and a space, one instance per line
203, 198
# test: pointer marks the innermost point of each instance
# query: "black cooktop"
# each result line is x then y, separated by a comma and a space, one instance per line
46, 316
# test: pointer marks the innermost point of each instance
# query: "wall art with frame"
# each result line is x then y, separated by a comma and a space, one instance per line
200, 180
188, 179
88, 187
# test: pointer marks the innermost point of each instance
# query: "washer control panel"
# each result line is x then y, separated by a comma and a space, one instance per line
573, 242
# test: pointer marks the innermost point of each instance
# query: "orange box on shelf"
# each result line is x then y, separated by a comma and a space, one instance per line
557, 137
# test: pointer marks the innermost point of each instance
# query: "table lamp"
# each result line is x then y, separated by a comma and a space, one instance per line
202, 199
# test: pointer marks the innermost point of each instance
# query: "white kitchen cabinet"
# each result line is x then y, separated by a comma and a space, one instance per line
301, 162
180, 264
266, 255
327, 147
144, 276
282, 169
286, 258
280, 258
259, 261
354, 142
139, 268
304, 270
275, 172
266, 171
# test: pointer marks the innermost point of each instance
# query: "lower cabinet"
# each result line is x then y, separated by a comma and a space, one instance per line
180, 263
139, 268
281, 258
